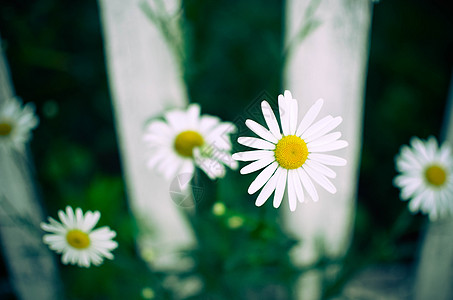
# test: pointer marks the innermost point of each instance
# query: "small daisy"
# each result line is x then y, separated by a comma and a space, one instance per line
185, 140
77, 241
426, 177
16, 123
294, 157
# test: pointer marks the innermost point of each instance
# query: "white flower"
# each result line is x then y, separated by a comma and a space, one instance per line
186, 140
426, 177
293, 157
77, 241
16, 123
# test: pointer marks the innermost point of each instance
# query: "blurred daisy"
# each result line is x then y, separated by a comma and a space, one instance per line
77, 241
293, 158
426, 177
16, 123
185, 140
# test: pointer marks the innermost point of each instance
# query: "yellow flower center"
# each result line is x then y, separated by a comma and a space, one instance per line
78, 239
5, 129
435, 175
186, 141
291, 152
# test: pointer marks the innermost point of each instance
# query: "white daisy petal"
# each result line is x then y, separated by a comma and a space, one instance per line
428, 205
176, 119
54, 226
91, 219
409, 184
257, 165
320, 168
52, 238
102, 233
410, 190
68, 218
431, 147
447, 205
309, 117
193, 114
252, 155
95, 259
332, 124
316, 127
226, 159
406, 155
78, 217
280, 188
157, 157
320, 179
169, 168
187, 167
337, 145
287, 94
308, 184
293, 117
154, 140
260, 131
65, 258
444, 154
73, 258
270, 119
284, 110
403, 180
404, 166
268, 188
219, 143
256, 143
211, 167
323, 140
418, 145
292, 197
327, 159
262, 178
107, 245
297, 185
158, 128
207, 123
84, 261
48, 227
219, 136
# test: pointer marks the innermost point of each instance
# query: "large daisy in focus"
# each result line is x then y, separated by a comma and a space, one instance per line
16, 123
293, 157
75, 238
426, 177
185, 140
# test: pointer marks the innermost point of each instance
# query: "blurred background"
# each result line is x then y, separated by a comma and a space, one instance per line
56, 57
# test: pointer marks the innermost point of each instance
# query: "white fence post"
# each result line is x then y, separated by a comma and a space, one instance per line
31, 267
144, 81
434, 278
329, 63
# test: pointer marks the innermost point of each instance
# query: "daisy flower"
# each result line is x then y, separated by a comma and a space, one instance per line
293, 157
426, 177
16, 123
185, 140
76, 239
